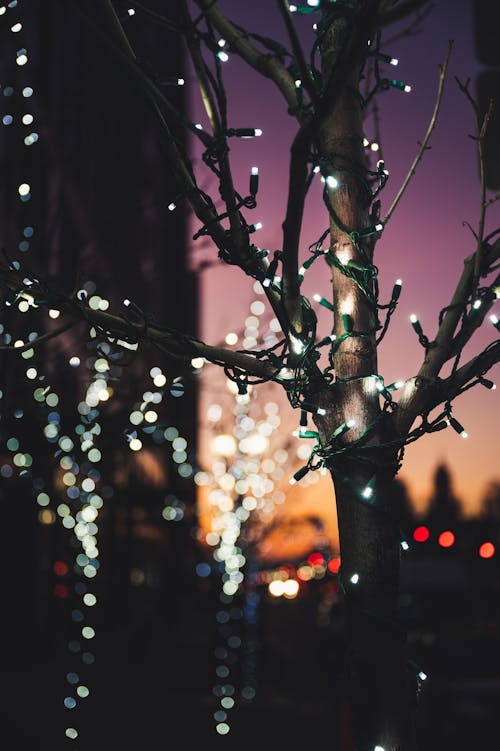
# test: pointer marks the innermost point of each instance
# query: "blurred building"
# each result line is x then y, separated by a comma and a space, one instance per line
79, 132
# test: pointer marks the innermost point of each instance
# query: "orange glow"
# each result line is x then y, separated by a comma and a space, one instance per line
487, 550
334, 565
446, 539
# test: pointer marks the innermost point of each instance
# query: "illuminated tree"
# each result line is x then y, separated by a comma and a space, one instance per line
360, 430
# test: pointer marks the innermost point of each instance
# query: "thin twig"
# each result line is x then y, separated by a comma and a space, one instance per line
413, 401
414, 28
158, 18
43, 338
297, 50
216, 116
491, 200
179, 164
444, 340
450, 387
268, 65
207, 97
173, 343
292, 224
401, 11
127, 57
430, 128
481, 128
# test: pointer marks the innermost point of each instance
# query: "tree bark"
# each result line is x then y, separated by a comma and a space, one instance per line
381, 689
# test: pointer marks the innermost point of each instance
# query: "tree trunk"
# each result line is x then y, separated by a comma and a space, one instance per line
382, 690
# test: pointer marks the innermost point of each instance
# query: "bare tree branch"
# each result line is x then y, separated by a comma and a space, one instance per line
491, 200
107, 33
401, 11
481, 128
239, 237
451, 387
297, 188
414, 399
443, 348
474, 321
34, 343
423, 146
207, 97
268, 65
121, 328
306, 82
414, 27
157, 17
203, 210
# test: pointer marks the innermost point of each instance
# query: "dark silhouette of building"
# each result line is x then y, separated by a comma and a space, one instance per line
444, 507
80, 132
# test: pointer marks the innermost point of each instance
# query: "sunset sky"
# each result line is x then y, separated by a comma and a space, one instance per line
424, 244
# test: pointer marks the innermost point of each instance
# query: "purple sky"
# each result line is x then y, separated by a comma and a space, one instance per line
425, 242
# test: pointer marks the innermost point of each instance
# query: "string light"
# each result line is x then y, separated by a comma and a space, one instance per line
297, 345
323, 301
343, 428
417, 327
457, 427
254, 181
487, 383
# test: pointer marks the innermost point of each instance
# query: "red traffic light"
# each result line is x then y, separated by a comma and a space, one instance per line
421, 534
